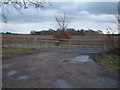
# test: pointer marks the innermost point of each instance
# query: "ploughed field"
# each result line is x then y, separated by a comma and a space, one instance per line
111, 42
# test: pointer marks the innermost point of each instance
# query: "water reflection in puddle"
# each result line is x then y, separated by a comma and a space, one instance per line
59, 83
23, 77
78, 59
81, 59
11, 73
103, 81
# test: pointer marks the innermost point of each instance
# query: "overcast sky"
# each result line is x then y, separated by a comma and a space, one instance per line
84, 15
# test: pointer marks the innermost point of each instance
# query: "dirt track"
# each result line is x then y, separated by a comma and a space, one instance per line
44, 69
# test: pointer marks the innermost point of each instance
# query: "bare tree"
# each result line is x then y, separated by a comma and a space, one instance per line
20, 5
62, 22
118, 17
118, 22
62, 33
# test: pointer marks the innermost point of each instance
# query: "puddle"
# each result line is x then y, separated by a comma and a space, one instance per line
78, 59
59, 83
23, 77
81, 59
64, 60
11, 73
103, 81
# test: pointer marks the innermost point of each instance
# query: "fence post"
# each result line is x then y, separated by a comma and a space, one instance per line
40, 41
105, 45
35, 42
68, 45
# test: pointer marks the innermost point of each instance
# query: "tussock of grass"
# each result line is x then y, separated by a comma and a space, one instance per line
12, 51
110, 60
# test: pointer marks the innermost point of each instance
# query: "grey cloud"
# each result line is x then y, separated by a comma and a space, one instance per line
91, 7
73, 10
99, 7
30, 16
86, 14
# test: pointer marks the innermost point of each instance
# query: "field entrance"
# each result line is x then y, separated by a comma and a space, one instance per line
57, 45
83, 45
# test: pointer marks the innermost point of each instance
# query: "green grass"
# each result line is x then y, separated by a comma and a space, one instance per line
110, 60
12, 51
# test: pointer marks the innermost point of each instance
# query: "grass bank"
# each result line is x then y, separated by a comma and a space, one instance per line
12, 51
109, 60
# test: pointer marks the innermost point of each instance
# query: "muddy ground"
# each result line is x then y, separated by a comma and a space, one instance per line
43, 69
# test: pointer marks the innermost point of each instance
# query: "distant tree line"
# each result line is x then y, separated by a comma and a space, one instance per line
9, 33
81, 32
72, 31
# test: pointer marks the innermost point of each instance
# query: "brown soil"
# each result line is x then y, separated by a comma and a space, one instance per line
43, 68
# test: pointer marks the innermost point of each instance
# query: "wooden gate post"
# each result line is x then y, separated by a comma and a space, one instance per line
69, 45
35, 42
105, 48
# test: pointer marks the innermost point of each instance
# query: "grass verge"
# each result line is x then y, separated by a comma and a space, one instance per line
110, 60
12, 51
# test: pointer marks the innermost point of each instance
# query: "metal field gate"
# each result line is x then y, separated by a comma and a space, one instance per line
82, 45
57, 45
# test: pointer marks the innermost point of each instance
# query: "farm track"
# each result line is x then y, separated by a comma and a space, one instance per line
42, 69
